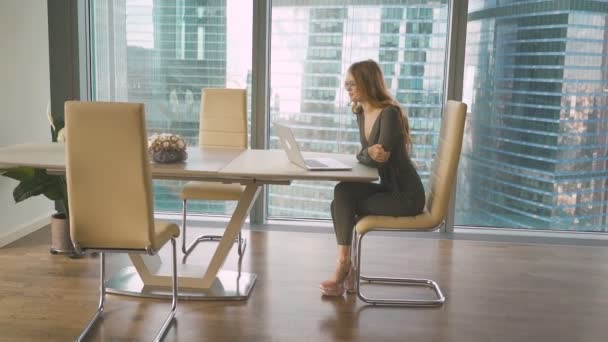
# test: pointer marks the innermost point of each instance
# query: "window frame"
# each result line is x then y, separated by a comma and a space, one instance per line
75, 63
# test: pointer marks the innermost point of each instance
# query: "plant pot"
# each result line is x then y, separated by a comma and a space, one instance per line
60, 235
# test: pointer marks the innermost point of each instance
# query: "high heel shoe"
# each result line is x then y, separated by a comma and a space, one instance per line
336, 288
350, 281
333, 291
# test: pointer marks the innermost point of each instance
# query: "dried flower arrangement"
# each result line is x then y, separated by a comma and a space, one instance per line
167, 148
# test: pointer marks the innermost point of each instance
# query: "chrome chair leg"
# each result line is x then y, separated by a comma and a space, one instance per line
171, 316
102, 298
440, 298
242, 245
354, 262
242, 242
184, 210
353, 249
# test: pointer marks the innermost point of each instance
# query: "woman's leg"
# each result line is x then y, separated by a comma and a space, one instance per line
389, 204
347, 196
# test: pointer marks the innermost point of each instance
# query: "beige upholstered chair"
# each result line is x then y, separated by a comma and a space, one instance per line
443, 175
223, 123
110, 188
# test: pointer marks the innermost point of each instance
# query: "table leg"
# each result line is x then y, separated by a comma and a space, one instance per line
234, 227
146, 278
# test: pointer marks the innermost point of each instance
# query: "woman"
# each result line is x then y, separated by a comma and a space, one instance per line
385, 140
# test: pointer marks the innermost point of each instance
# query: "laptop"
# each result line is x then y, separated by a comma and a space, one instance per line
290, 145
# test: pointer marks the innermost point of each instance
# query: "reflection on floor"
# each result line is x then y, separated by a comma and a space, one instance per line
495, 292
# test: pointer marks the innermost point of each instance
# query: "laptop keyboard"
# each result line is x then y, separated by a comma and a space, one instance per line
314, 163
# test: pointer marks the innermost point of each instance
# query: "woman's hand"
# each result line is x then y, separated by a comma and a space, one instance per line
378, 154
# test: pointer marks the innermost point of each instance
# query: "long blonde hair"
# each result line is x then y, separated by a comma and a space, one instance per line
370, 84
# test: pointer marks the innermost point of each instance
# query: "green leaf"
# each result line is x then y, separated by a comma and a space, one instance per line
54, 191
59, 123
34, 182
18, 173
58, 120
40, 184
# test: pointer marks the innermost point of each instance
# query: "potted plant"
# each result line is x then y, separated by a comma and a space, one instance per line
34, 182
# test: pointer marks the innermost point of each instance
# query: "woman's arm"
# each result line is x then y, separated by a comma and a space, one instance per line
391, 129
364, 158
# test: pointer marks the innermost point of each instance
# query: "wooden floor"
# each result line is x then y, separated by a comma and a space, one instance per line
495, 292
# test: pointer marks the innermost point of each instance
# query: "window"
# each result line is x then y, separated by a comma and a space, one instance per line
311, 48
535, 152
161, 53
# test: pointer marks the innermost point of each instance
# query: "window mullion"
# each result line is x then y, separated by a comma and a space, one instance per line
260, 93
454, 75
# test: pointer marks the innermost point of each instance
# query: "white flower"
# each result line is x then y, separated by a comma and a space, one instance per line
61, 136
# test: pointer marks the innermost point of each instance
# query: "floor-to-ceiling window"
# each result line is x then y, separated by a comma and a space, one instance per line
535, 79
313, 43
535, 153
161, 53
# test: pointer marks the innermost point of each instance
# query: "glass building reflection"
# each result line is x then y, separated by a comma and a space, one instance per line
536, 153
314, 42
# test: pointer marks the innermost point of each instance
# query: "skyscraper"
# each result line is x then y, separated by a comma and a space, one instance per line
539, 125
314, 42
162, 53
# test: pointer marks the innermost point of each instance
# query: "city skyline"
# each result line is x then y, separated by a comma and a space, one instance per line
536, 157
530, 159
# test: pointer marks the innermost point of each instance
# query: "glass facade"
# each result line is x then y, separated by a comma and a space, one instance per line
162, 53
535, 154
314, 42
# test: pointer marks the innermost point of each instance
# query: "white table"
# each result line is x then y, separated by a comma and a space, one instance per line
252, 168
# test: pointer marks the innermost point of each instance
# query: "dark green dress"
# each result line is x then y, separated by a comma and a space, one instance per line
398, 175
400, 192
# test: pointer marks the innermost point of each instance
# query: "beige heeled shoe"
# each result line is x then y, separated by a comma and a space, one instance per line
338, 287
350, 280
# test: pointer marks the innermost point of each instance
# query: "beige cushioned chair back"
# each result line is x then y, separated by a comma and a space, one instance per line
223, 118
108, 175
445, 163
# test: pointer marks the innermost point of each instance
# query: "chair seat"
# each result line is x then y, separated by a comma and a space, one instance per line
423, 221
212, 191
163, 232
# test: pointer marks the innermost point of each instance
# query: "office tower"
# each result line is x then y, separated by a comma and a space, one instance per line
110, 63
190, 42
537, 156
161, 53
190, 45
314, 42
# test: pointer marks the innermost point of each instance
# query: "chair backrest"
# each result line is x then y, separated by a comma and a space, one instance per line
108, 175
445, 163
223, 120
